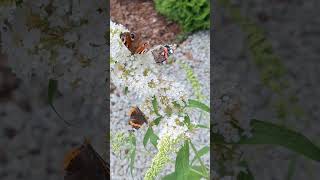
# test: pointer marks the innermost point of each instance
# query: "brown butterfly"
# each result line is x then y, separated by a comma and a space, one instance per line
84, 163
161, 54
137, 118
136, 45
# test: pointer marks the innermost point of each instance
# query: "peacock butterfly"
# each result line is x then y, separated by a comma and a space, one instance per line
134, 43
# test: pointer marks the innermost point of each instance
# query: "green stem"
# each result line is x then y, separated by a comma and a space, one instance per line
196, 154
200, 173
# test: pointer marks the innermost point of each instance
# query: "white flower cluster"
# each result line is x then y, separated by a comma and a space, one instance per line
140, 74
59, 39
172, 128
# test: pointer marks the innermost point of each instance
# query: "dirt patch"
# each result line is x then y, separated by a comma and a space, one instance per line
140, 16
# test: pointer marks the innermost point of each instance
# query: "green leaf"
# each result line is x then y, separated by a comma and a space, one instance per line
202, 126
245, 175
154, 139
268, 133
203, 167
171, 176
197, 104
52, 89
217, 138
187, 120
157, 120
132, 152
182, 162
195, 173
155, 105
291, 168
201, 152
126, 90
150, 135
147, 136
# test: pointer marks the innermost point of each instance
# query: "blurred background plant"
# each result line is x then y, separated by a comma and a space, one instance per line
192, 15
52, 51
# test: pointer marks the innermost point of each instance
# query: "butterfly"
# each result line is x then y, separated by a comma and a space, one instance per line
161, 55
136, 45
84, 163
137, 118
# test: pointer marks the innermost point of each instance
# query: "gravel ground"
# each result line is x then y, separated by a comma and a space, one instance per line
194, 52
34, 141
293, 29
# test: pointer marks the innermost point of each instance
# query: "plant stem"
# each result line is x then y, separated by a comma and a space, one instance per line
196, 153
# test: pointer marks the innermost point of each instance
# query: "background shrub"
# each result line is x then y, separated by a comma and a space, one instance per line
192, 15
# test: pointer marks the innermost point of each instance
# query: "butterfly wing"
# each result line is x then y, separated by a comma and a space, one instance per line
86, 164
134, 43
162, 54
157, 56
142, 48
137, 118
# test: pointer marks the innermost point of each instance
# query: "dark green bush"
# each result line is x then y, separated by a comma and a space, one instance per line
192, 15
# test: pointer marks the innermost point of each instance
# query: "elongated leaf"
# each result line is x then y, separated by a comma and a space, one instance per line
197, 104
52, 90
203, 167
132, 152
156, 121
245, 175
132, 158
195, 173
182, 162
291, 168
155, 105
171, 176
216, 138
202, 126
268, 133
154, 139
126, 90
147, 136
201, 152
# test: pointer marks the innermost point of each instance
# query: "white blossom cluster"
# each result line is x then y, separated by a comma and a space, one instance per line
140, 75
58, 39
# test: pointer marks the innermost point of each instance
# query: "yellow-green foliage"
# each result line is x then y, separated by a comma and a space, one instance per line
10, 2
191, 77
272, 70
192, 15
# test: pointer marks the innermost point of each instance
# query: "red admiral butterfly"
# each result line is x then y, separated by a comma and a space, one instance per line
84, 163
137, 118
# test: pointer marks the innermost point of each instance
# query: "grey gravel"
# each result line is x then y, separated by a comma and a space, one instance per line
293, 29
